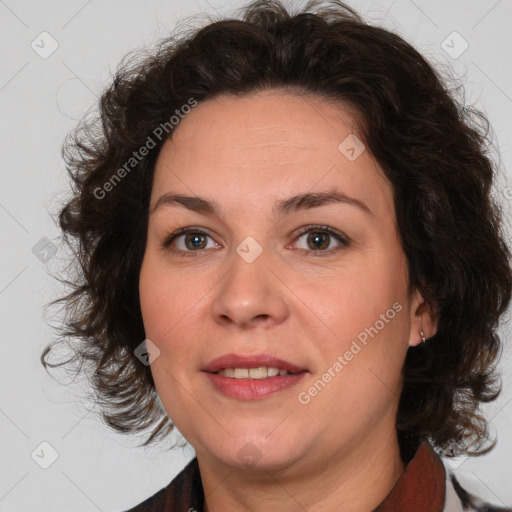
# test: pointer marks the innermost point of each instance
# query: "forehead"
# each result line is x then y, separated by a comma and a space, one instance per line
268, 144
272, 121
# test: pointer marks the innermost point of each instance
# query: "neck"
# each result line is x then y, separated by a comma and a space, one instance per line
357, 480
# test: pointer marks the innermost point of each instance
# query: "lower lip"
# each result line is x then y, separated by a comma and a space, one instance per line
253, 389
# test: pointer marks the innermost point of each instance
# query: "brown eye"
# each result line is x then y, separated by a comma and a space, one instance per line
319, 239
195, 241
189, 240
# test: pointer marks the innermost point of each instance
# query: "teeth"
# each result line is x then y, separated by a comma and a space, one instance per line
261, 372
241, 373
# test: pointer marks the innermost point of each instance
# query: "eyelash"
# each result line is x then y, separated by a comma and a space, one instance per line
343, 240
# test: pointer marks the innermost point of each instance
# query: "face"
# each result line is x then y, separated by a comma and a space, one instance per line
290, 259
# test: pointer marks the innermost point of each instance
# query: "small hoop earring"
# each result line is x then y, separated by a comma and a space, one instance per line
422, 334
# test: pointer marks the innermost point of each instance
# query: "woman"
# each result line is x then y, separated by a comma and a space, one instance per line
288, 249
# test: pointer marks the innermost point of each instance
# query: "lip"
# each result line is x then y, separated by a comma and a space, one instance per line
252, 389
252, 361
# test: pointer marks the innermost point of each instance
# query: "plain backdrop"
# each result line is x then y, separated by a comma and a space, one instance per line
56, 58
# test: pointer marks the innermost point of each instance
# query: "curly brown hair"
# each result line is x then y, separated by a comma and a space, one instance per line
433, 149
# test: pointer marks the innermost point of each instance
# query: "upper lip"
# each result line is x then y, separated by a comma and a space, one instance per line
252, 361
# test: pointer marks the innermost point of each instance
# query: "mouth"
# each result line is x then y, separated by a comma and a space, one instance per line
252, 377
258, 372
256, 366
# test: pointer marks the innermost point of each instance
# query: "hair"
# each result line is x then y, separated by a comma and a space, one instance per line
433, 149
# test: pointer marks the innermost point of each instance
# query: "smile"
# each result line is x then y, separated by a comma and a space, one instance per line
260, 372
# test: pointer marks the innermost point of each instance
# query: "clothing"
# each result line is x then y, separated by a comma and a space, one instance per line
424, 486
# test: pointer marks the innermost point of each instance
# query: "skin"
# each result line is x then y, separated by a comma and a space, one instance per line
340, 450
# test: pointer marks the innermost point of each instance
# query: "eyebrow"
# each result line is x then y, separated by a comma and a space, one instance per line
292, 204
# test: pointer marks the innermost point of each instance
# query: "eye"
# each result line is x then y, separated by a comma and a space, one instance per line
189, 239
317, 239
320, 239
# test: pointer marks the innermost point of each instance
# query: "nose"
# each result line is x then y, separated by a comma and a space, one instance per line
250, 295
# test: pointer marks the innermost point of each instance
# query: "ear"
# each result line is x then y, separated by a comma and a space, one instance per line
423, 318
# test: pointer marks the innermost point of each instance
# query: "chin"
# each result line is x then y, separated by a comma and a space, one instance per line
256, 453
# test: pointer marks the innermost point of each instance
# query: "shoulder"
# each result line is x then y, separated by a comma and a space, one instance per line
458, 499
183, 493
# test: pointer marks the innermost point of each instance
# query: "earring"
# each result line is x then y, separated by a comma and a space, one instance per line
422, 334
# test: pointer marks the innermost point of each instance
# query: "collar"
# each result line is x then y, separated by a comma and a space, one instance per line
421, 487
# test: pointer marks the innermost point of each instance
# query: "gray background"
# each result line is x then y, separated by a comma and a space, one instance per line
41, 99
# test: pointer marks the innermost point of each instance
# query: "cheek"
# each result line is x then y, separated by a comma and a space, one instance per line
352, 301
365, 350
174, 307
165, 294
366, 312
